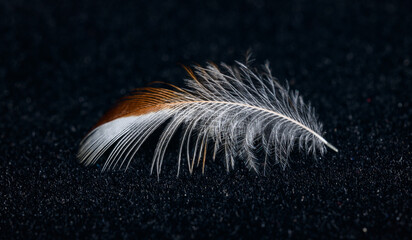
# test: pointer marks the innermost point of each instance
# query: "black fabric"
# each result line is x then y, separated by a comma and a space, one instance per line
63, 63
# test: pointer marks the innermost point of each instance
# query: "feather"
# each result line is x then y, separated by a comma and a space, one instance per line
236, 110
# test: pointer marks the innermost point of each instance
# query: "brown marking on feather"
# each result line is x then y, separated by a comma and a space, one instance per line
190, 72
142, 101
193, 76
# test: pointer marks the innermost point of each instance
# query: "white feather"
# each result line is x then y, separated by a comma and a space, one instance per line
238, 109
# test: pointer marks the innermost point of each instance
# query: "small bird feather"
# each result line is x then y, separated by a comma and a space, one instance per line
236, 110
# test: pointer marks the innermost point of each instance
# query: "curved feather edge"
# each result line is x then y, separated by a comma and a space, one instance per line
234, 109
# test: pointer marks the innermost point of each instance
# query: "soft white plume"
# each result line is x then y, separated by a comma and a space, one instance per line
236, 110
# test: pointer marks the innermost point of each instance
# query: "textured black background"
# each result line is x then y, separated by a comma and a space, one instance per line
63, 63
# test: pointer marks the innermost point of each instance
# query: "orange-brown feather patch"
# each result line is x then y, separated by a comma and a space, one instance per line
142, 101
190, 72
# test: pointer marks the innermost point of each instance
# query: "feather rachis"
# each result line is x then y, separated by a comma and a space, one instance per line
232, 106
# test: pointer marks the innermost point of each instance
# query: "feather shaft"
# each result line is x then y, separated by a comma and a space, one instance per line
263, 110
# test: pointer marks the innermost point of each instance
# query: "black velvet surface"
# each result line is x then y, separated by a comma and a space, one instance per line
63, 63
